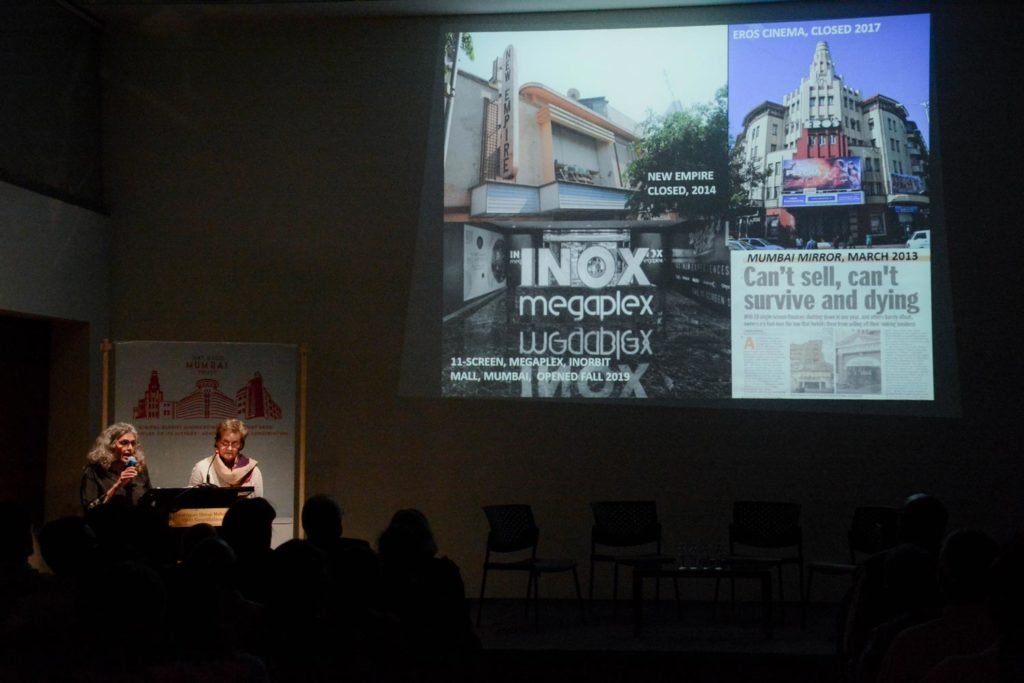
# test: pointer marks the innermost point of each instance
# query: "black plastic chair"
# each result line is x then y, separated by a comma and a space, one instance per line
766, 525
631, 529
872, 529
513, 531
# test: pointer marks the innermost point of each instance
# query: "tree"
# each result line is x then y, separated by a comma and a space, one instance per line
465, 41
452, 42
747, 180
674, 146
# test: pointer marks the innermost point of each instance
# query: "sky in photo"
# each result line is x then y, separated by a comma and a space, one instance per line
642, 70
637, 70
894, 61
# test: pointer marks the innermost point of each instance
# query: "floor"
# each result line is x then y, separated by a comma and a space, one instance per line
703, 644
698, 628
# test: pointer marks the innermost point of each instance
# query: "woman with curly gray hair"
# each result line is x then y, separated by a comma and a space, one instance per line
116, 468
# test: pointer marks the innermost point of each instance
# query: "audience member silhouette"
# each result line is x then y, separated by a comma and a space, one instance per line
124, 623
351, 563
330, 608
68, 546
922, 524
424, 593
248, 527
964, 626
137, 534
192, 536
306, 629
1004, 661
87, 622
19, 584
216, 630
910, 585
17, 576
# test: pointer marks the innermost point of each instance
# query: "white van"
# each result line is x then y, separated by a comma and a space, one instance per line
921, 239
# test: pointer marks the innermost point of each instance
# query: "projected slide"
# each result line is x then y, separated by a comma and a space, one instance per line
687, 213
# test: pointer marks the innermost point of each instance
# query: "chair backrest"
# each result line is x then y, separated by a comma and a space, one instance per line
624, 523
512, 528
873, 530
765, 524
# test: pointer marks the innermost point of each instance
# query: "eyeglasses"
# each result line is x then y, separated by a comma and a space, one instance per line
126, 442
230, 445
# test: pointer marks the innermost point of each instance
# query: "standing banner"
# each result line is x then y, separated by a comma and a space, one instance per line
175, 393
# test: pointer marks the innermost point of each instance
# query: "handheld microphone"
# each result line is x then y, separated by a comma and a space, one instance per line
132, 461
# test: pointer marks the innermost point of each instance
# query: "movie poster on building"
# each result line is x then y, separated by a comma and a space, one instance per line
836, 324
568, 258
821, 175
175, 393
906, 184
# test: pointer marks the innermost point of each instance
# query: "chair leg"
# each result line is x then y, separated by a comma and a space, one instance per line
590, 590
480, 603
529, 594
679, 605
782, 599
535, 578
615, 589
800, 576
579, 595
714, 601
806, 598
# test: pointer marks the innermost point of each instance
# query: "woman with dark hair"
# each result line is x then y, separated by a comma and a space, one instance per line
116, 469
423, 592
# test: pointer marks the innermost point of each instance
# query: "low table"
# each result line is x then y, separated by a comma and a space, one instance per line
726, 570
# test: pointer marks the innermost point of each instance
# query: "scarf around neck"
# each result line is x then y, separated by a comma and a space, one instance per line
236, 476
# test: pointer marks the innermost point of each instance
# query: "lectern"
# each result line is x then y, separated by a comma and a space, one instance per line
187, 507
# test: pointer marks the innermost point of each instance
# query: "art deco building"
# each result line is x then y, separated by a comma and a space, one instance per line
809, 371
253, 400
527, 167
205, 401
152, 404
208, 401
859, 361
831, 122
570, 153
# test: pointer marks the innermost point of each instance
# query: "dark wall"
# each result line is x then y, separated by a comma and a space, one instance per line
50, 120
24, 393
54, 265
264, 182
53, 249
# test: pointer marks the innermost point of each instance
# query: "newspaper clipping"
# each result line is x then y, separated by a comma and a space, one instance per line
843, 323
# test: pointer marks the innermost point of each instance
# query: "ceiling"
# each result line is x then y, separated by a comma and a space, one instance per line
372, 8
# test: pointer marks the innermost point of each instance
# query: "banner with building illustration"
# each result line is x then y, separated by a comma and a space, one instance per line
832, 324
175, 393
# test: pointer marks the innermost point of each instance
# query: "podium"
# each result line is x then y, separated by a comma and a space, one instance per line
186, 507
